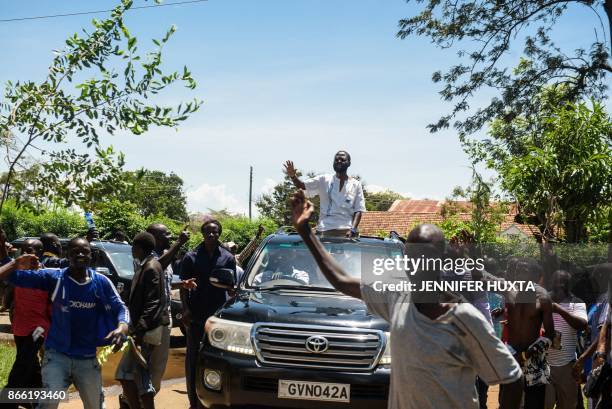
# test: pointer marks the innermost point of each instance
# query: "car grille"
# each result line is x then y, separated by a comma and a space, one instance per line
358, 391
348, 348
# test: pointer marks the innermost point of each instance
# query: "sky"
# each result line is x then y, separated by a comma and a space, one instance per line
280, 80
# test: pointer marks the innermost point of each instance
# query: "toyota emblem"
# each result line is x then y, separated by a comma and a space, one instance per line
317, 344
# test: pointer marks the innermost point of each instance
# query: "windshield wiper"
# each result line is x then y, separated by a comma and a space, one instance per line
294, 287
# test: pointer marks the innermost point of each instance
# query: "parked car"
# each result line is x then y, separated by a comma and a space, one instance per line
289, 339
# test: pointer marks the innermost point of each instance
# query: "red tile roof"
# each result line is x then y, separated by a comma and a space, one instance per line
423, 206
405, 214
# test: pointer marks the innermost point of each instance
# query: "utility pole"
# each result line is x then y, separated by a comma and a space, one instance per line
250, 191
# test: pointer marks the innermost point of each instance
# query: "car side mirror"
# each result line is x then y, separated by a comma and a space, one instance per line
223, 278
103, 270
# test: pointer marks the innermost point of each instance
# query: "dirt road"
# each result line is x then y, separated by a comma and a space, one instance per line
172, 395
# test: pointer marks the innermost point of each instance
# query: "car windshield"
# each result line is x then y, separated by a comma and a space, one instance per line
291, 264
123, 262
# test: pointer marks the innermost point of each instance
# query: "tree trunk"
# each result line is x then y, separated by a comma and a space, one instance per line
575, 231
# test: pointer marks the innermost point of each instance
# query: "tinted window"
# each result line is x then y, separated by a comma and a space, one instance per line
292, 262
123, 262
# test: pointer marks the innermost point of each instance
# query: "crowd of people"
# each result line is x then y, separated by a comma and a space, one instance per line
445, 351
444, 347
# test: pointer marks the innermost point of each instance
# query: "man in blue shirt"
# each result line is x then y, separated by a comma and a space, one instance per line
202, 302
87, 312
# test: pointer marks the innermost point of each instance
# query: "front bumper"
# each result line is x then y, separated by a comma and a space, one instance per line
245, 383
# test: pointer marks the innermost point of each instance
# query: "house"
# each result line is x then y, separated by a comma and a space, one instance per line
403, 215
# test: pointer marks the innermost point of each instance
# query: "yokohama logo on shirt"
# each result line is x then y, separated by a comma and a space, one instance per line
82, 305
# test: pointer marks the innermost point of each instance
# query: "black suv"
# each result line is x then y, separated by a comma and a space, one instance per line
289, 339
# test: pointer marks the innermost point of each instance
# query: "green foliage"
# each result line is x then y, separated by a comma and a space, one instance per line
381, 201
26, 188
126, 216
599, 227
96, 179
486, 215
562, 179
117, 215
20, 222
7, 358
155, 193
452, 226
275, 205
238, 229
98, 84
241, 230
484, 32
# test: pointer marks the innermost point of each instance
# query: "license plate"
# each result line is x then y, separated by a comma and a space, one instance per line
323, 391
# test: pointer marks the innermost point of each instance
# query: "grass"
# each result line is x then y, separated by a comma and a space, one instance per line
7, 357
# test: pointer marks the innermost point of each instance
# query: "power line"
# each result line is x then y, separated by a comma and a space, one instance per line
99, 11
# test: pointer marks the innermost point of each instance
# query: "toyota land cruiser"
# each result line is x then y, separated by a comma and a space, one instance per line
289, 339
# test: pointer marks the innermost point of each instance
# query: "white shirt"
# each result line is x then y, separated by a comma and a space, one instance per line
567, 353
337, 206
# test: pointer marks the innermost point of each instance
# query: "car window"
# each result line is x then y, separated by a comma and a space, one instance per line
292, 263
123, 262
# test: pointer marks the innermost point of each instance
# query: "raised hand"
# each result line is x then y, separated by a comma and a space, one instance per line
302, 209
189, 284
290, 169
27, 262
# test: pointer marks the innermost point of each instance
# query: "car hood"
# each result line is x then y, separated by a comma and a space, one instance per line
300, 307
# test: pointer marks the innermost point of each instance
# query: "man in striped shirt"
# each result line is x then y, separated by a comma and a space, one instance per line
570, 316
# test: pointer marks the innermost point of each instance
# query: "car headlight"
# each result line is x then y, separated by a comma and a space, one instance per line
385, 359
230, 336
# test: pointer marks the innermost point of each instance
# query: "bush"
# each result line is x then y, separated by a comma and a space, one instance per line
241, 230
238, 229
115, 215
21, 222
